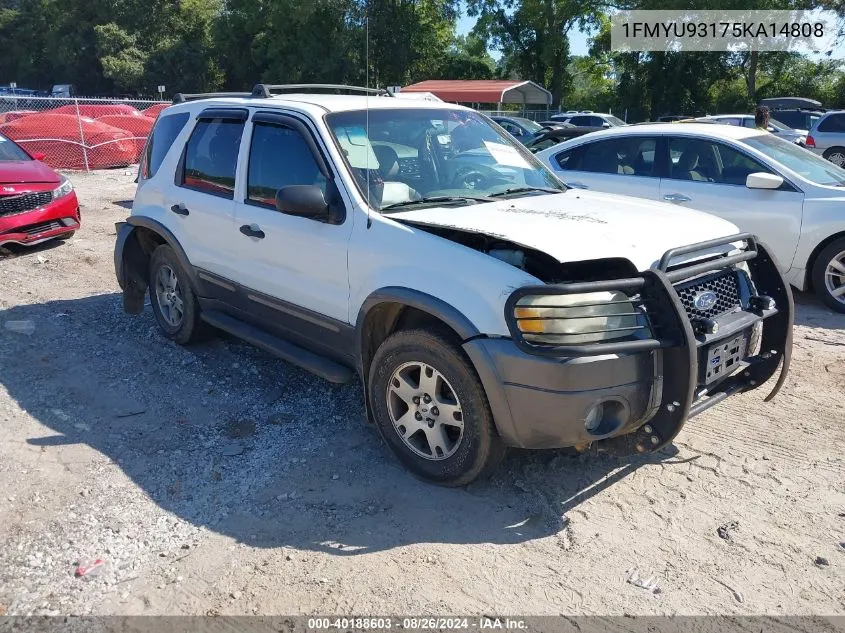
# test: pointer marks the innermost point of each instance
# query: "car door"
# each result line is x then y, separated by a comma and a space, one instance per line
293, 269
623, 164
710, 176
203, 198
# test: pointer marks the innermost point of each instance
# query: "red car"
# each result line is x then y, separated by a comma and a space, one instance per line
36, 203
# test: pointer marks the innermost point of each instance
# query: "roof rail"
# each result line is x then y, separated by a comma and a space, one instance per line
181, 97
266, 90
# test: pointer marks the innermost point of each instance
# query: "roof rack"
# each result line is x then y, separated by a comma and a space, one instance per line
267, 90
181, 97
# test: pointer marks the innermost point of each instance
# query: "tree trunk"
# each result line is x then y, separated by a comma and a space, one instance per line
751, 75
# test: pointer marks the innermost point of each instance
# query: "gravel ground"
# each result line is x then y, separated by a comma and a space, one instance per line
217, 480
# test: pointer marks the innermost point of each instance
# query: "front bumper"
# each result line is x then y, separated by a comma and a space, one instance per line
647, 388
55, 219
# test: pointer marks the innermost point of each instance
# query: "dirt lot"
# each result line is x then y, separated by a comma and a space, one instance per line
215, 479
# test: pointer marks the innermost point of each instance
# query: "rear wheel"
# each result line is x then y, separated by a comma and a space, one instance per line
835, 155
431, 409
828, 275
174, 303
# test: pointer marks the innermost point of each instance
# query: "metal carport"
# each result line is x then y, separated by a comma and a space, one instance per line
484, 91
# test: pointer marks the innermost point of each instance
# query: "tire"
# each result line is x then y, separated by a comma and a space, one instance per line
460, 453
827, 274
174, 304
66, 236
835, 155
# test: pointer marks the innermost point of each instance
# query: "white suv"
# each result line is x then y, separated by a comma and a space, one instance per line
481, 302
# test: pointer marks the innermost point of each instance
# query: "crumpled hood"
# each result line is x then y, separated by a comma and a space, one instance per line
16, 171
580, 225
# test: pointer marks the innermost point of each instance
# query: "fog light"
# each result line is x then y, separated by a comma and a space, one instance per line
761, 303
594, 417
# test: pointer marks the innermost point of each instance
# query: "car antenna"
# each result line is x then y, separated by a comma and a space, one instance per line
367, 105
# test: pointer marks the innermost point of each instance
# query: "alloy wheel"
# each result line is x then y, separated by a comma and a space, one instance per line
169, 296
425, 411
834, 277
837, 158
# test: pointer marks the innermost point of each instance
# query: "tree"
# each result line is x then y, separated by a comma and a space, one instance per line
120, 57
533, 36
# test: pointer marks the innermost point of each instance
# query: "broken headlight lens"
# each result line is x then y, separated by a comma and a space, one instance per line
578, 318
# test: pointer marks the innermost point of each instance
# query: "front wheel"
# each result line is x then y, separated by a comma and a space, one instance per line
431, 409
829, 275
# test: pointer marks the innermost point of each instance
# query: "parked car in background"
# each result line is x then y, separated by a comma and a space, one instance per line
548, 125
522, 129
36, 203
827, 137
154, 110
553, 136
71, 142
589, 119
776, 127
798, 113
63, 90
789, 197
478, 307
671, 118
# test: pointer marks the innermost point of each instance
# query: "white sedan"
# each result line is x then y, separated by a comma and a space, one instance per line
793, 200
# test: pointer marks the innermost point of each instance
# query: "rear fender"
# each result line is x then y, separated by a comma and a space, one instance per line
137, 238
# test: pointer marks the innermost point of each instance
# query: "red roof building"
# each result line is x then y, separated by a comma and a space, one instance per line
484, 91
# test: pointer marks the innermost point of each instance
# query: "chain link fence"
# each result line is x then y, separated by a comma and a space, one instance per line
79, 133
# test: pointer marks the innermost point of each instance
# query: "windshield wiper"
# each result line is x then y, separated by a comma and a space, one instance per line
515, 190
436, 200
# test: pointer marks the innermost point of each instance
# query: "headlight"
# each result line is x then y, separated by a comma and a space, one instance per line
64, 188
578, 318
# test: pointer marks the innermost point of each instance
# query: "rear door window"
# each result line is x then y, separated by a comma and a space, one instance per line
161, 139
628, 156
833, 123
211, 157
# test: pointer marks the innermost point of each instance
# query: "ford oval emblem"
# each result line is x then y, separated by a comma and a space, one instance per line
704, 301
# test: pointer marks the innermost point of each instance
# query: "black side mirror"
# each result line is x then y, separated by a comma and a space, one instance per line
307, 201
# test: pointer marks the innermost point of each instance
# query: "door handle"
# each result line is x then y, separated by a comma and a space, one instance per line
576, 184
179, 209
252, 230
676, 197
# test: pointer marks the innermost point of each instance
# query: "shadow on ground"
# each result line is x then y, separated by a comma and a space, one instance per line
811, 312
226, 437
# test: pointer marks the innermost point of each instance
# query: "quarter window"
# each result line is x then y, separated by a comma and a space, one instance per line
211, 157
278, 157
706, 161
166, 130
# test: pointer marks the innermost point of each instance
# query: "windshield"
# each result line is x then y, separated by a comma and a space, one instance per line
614, 121
10, 151
528, 124
404, 155
802, 161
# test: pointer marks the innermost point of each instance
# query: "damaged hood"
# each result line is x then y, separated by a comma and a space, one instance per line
582, 225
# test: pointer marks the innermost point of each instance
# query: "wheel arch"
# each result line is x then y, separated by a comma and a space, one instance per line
811, 260
394, 308
137, 238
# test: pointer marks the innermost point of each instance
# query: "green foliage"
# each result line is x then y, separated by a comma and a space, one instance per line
108, 46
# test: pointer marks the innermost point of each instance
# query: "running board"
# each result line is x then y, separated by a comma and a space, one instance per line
316, 364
